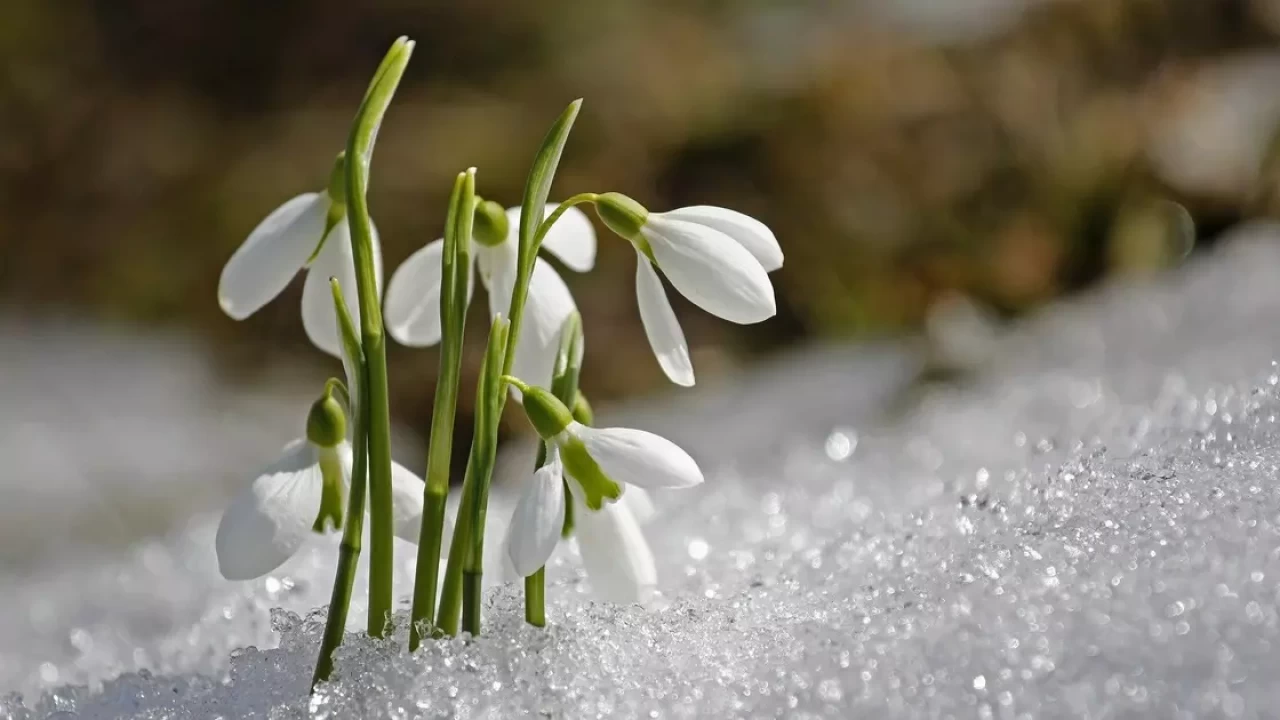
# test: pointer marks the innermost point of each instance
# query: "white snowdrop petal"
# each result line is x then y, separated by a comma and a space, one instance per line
497, 268
661, 326
267, 522
318, 316
406, 503
335, 260
572, 239
637, 500
617, 558
546, 309
639, 458
711, 269
537, 521
752, 234
273, 253
412, 307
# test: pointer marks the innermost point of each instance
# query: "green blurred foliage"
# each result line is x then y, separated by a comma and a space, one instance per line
142, 140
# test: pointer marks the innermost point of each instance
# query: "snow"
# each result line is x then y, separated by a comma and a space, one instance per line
1087, 526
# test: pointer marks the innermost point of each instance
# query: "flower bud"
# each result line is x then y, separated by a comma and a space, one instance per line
547, 414
326, 423
621, 214
491, 225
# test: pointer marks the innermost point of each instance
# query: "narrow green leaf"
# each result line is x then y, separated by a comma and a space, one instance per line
538, 187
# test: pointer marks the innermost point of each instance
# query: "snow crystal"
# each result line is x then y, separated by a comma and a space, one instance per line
1088, 525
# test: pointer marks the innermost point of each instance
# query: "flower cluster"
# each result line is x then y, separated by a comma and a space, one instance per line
590, 482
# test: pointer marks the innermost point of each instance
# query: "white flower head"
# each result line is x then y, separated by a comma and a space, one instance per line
412, 312
308, 232
598, 465
615, 553
719, 259
302, 492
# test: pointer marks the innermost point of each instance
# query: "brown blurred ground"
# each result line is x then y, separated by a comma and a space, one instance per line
1000, 151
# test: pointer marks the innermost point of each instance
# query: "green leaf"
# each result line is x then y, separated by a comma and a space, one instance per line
541, 175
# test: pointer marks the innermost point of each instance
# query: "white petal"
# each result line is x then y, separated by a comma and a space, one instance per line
412, 306
572, 238
752, 234
546, 309
497, 266
617, 558
335, 260
661, 326
637, 500
639, 458
274, 252
267, 522
406, 503
537, 520
711, 269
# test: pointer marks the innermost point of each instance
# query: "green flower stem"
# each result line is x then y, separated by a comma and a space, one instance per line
349, 549
456, 262
460, 593
449, 614
359, 154
564, 385
535, 598
493, 395
484, 449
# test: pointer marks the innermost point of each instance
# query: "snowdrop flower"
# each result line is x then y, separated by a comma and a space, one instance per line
309, 231
599, 463
717, 258
303, 492
412, 308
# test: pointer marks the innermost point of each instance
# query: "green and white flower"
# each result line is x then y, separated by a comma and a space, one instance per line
599, 464
303, 492
719, 259
307, 232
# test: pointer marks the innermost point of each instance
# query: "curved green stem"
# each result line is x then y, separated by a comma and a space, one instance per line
455, 273
359, 154
349, 549
564, 385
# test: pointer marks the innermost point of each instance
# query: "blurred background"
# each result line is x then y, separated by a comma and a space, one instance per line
906, 153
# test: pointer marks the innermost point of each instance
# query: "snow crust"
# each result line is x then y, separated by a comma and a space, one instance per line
1088, 526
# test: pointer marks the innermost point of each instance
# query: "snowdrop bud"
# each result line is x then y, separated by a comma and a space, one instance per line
326, 423
621, 214
491, 225
546, 413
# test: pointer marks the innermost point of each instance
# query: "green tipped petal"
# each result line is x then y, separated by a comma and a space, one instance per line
589, 483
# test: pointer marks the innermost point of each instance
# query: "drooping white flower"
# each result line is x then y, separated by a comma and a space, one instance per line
412, 308
293, 238
615, 554
302, 492
719, 259
598, 465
